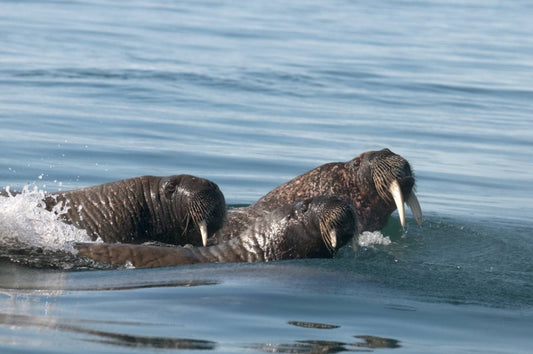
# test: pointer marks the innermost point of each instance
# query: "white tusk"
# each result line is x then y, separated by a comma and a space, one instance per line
330, 239
396, 192
414, 205
203, 230
333, 239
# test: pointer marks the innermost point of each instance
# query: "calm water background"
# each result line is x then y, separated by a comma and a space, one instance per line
251, 94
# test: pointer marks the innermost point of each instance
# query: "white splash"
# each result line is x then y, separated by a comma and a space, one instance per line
25, 222
368, 238
129, 265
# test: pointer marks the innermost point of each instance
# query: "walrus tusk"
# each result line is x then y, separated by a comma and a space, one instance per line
396, 192
203, 230
414, 205
332, 237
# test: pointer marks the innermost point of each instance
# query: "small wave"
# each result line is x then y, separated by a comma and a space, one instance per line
25, 223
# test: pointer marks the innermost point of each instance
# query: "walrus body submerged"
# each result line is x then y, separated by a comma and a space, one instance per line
313, 228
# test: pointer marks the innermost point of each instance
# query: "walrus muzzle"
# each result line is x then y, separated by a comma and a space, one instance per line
393, 178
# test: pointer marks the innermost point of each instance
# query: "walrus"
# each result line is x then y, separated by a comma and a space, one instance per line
375, 182
179, 209
313, 228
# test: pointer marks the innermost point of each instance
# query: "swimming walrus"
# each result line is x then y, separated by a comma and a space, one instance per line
313, 228
375, 182
180, 209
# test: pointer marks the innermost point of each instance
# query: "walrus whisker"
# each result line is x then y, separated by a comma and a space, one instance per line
198, 207
187, 219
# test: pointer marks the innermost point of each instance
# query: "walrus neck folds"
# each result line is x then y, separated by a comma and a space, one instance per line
330, 179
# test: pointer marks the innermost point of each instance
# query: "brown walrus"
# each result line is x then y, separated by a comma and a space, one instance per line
313, 228
375, 182
179, 209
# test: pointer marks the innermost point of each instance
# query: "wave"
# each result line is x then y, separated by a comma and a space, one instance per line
24, 222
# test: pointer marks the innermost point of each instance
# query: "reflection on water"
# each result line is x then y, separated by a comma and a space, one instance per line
148, 342
377, 342
312, 325
126, 340
154, 285
31, 280
321, 346
306, 346
325, 346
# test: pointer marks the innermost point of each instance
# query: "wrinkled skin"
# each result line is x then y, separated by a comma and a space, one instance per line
314, 228
141, 209
147, 208
364, 181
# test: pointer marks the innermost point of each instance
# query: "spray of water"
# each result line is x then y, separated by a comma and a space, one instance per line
368, 238
24, 222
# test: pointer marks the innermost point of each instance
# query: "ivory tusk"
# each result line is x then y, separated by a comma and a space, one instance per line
203, 230
333, 239
414, 205
396, 192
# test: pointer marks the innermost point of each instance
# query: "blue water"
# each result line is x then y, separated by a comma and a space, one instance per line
249, 95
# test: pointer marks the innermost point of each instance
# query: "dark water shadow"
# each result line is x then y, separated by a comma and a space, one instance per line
173, 284
375, 342
22, 278
104, 337
127, 340
365, 343
312, 325
321, 346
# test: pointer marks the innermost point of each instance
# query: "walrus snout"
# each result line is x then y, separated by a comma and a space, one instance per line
205, 203
337, 221
394, 181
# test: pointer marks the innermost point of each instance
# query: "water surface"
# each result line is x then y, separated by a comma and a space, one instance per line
249, 96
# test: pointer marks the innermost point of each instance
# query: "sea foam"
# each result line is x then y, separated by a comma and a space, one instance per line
368, 238
24, 222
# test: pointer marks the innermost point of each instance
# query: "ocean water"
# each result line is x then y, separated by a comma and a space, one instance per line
249, 95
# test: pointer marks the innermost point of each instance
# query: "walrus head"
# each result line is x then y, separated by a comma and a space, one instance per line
199, 202
376, 182
337, 221
314, 227
385, 181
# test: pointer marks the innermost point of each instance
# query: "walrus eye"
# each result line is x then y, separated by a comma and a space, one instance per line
170, 187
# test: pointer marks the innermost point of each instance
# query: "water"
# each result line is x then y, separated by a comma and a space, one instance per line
250, 95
